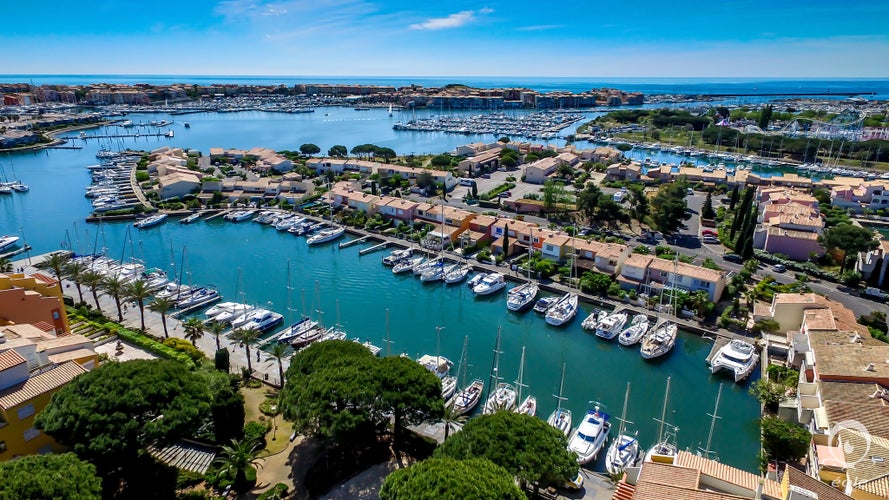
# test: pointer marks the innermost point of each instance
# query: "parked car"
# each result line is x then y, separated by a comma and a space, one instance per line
779, 268
710, 239
733, 257
709, 232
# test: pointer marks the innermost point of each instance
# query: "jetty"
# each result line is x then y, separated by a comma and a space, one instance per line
168, 133
217, 214
349, 243
374, 248
15, 252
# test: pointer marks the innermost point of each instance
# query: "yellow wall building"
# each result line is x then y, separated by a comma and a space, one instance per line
22, 397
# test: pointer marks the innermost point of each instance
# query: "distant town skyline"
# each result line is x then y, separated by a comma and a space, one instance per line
743, 38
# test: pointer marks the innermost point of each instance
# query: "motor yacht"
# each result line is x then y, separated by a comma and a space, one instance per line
590, 436
611, 325
738, 357
492, 283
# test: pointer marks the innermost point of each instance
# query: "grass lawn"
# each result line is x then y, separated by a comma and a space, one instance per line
252, 399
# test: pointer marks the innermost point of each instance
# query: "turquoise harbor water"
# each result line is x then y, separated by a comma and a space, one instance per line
356, 291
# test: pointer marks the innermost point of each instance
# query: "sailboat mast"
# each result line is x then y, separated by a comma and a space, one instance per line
495, 368
713, 418
388, 339
660, 431
438, 330
519, 383
623, 413
559, 398
289, 288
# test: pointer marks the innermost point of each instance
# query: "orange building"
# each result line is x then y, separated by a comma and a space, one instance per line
32, 299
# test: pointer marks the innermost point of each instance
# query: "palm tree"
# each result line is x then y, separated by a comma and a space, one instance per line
5, 265
238, 458
138, 291
74, 270
244, 336
279, 352
194, 329
451, 417
56, 262
113, 286
162, 306
216, 328
93, 280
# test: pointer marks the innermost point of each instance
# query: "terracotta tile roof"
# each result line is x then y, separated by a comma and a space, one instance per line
852, 392
819, 319
40, 384
728, 474
868, 474
850, 360
684, 269
653, 491
68, 341
557, 239
624, 490
638, 260
672, 475
10, 359
792, 233
874, 417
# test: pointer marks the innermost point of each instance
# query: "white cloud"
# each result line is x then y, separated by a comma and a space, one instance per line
456, 20
539, 27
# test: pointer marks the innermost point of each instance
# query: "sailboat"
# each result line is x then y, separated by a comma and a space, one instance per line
528, 406
503, 395
624, 451
522, 296
441, 367
467, 398
390, 109
706, 452
560, 418
664, 450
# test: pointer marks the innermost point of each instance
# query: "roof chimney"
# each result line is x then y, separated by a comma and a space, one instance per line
870, 368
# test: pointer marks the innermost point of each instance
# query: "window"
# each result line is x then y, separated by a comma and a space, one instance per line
25, 411
55, 315
30, 434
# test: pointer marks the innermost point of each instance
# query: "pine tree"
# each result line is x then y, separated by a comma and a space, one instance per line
740, 214
707, 210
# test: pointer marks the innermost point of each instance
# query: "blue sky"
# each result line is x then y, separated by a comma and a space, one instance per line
487, 38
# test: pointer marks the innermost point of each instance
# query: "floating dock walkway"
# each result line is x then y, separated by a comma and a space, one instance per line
349, 243
374, 248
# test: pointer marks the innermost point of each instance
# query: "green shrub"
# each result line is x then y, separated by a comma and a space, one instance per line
254, 430
185, 347
276, 492
141, 176
187, 479
149, 344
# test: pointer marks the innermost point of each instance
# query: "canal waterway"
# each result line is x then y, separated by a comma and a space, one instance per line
248, 262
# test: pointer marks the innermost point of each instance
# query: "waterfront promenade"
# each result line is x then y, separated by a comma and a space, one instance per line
265, 367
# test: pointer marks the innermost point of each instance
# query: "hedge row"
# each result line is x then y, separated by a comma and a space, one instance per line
149, 344
805, 267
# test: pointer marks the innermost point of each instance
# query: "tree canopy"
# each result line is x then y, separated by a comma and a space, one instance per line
338, 151
526, 446
309, 149
39, 477
784, 440
850, 239
337, 388
449, 479
669, 207
117, 409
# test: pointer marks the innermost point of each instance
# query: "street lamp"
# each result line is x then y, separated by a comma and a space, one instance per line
25, 244
274, 410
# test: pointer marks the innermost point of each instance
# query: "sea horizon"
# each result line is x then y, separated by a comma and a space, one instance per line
653, 85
